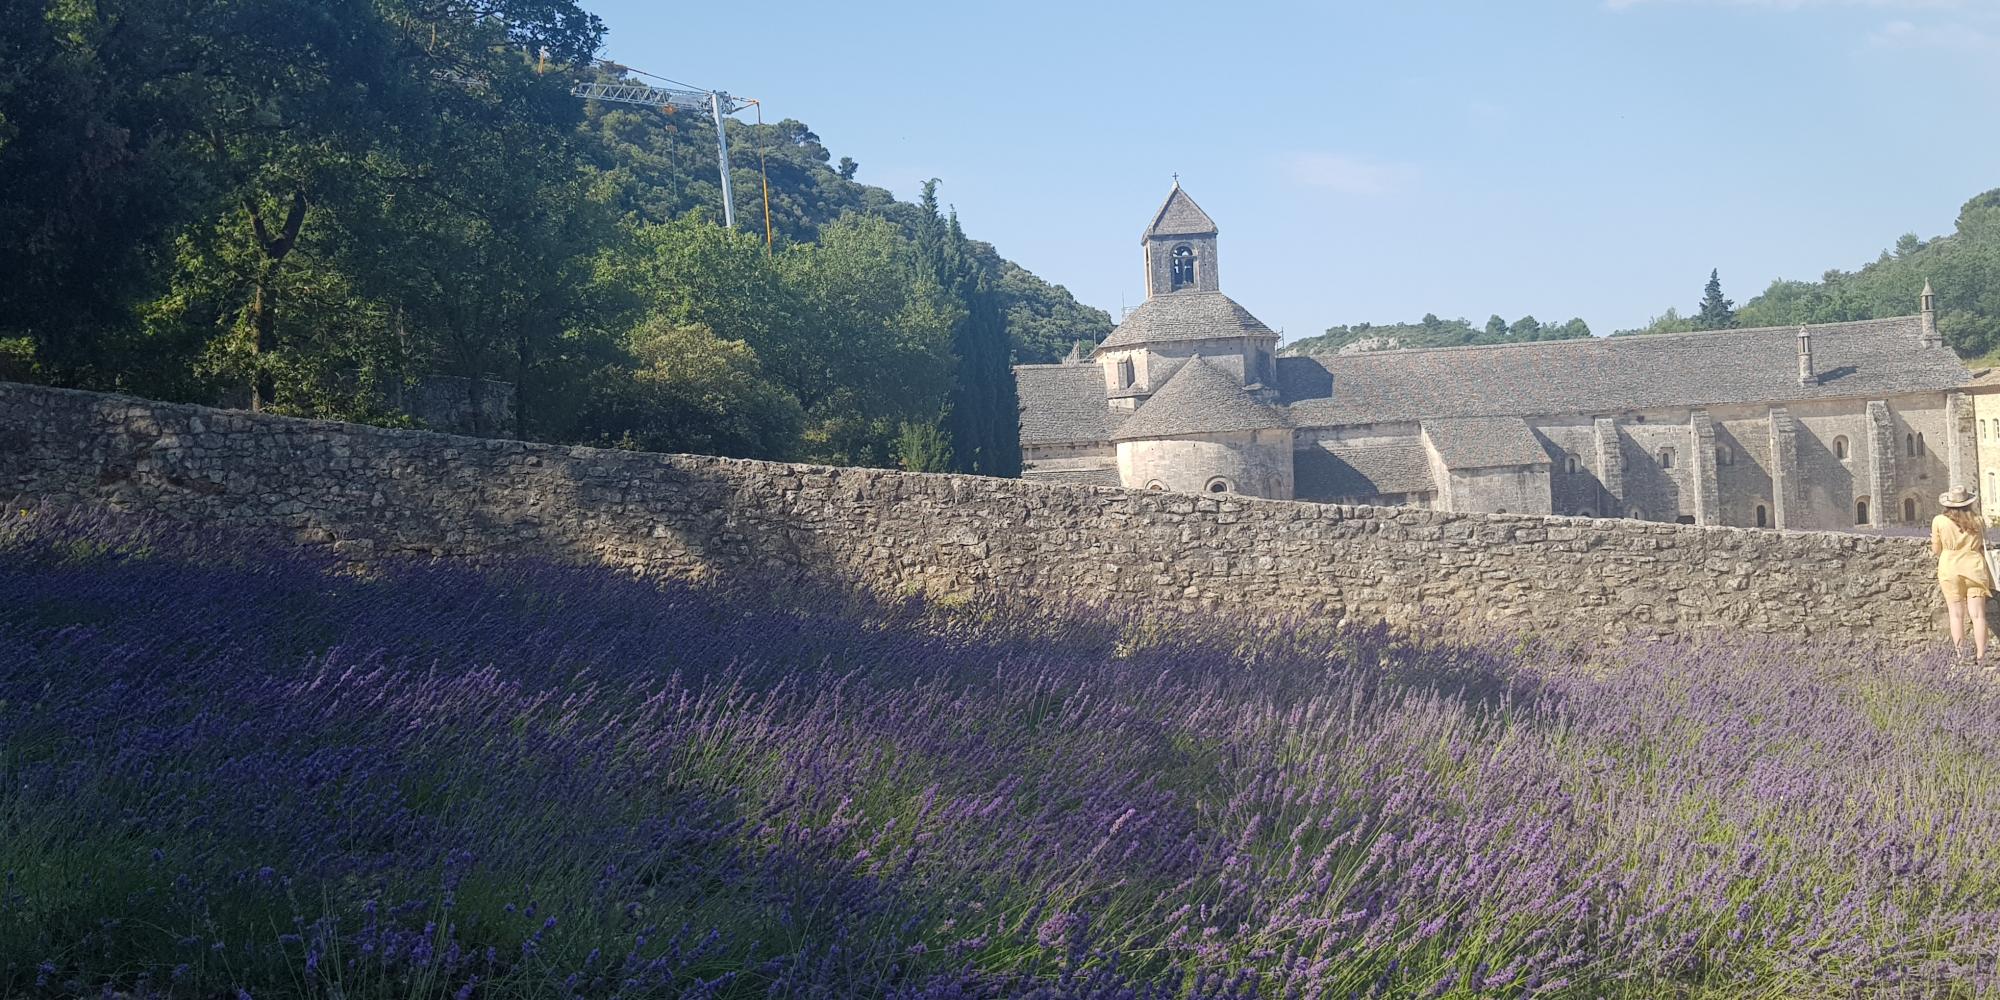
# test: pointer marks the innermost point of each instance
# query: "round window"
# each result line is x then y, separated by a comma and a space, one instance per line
1218, 485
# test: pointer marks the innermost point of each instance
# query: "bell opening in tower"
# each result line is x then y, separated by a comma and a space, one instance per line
1183, 268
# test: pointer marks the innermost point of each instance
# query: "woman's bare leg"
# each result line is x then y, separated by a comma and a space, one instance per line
1977, 607
1955, 608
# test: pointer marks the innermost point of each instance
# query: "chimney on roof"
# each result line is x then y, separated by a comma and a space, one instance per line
1928, 313
1806, 376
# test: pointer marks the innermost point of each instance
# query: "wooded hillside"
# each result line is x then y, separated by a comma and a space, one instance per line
305, 205
1963, 268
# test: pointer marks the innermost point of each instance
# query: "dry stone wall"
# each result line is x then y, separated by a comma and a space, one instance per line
369, 492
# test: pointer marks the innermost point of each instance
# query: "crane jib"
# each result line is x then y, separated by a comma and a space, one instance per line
715, 102
658, 97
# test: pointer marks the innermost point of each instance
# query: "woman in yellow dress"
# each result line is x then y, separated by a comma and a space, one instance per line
1959, 542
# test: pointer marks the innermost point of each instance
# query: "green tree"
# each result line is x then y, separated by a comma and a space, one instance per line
1717, 313
983, 412
923, 447
1670, 321
1963, 268
686, 390
1434, 332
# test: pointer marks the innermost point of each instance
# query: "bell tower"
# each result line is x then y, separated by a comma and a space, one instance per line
1180, 247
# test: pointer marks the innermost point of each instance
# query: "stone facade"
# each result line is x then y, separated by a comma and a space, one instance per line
1834, 426
1982, 414
1255, 462
368, 492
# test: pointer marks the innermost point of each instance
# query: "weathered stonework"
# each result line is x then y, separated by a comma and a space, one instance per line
368, 492
1788, 502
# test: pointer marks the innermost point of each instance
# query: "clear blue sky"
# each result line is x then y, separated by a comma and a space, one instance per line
1377, 160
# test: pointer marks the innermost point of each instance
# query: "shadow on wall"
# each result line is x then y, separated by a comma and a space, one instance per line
370, 493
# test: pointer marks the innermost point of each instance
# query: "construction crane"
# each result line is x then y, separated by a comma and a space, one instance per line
670, 100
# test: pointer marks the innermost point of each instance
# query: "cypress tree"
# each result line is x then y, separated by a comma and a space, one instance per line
982, 414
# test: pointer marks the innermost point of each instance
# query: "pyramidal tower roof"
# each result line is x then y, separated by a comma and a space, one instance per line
1179, 216
1200, 398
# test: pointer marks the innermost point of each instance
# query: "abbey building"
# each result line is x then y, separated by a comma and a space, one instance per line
1826, 426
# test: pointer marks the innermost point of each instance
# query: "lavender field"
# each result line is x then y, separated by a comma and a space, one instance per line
232, 770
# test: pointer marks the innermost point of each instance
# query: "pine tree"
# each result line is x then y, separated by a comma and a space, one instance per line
923, 448
1717, 313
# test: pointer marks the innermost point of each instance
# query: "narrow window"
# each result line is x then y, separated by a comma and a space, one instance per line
1126, 374
1910, 445
1861, 511
1909, 509
1920, 445
1763, 516
1840, 448
1183, 266
1724, 456
1666, 458
1219, 485
1569, 465
1636, 514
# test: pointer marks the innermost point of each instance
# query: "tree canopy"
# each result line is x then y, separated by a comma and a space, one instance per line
1434, 332
1963, 268
307, 205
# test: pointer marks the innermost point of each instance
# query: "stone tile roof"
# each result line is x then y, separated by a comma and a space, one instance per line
1106, 475
1063, 403
1598, 375
1179, 216
1983, 378
1182, 316
1201, 398
1484, 442
1335, 472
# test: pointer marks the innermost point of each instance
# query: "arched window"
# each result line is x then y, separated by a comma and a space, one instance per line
1126, 374
1993, 484
1724, 456
1840, 448
1909, 509
1763, 516
1636, 514
1183, 266
1910, 445
1666, 458
1586, 512
1920, 445
1220, 485
1861, 511
1569, 464
1157, 486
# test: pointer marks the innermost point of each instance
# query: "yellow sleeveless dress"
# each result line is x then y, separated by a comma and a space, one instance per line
1961, 560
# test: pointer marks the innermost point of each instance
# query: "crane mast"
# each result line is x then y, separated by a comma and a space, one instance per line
715, 102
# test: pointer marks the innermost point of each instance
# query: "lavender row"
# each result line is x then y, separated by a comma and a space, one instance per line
238, 769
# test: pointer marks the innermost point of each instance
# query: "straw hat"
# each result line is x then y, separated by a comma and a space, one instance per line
1958, 496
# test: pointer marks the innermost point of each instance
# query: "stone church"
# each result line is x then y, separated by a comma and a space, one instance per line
1834, 425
